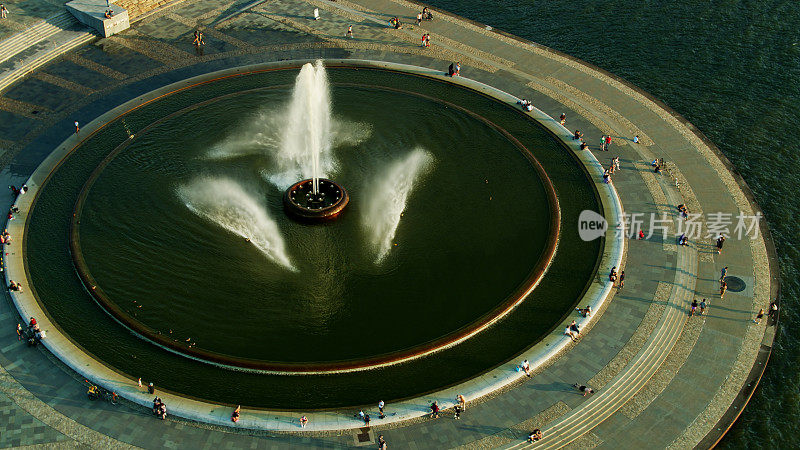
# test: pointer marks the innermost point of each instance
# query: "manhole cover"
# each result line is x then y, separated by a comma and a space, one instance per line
735, 284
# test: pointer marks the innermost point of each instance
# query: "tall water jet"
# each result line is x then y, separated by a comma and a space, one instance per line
388, 198
227, 204
262, 134
306, 142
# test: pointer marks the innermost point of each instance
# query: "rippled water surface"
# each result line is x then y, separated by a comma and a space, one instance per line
732, 68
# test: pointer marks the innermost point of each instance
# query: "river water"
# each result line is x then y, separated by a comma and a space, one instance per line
733, 69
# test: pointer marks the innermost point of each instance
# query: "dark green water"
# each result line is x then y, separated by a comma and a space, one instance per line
58, 288
467, 238
733, 69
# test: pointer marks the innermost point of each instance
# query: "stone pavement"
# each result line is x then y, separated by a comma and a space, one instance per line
663, 379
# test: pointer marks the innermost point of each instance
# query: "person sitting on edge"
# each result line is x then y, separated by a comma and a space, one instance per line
575, 328
571, 334
535, 435
435, 410
585, 312
526, 367
585, 389
235, 414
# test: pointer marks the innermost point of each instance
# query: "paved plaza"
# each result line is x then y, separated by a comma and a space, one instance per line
663, 379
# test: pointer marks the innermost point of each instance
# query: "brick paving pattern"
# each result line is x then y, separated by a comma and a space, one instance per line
36, 115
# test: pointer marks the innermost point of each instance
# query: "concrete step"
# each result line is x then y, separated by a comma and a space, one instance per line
35, 34
61, 42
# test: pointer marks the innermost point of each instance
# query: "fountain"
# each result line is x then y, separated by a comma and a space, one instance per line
184, 235
392, 188
226, 203
308, 132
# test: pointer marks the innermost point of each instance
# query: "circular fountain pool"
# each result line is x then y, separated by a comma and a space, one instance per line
179, 233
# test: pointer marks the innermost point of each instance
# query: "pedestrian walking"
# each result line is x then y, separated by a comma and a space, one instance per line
381, 404
151, 389
3, 11
428, 41
349, 31
419, 19
720, 242
198, 38
603, 143
641, 234
702, 306
366, 420
615, 161
608, 142
722, 288
458, 68
586, 390
316, 13
19, 332
381, 443
461, 402
694, 307
759, 316
563, 118
140, 381
723, 274
77, 127
622, 279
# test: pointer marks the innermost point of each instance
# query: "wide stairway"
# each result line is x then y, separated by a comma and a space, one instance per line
27, 50
35, 34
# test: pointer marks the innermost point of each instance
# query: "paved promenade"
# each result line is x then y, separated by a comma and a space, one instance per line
663, 379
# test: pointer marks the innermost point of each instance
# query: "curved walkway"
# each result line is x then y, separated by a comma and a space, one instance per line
643, 354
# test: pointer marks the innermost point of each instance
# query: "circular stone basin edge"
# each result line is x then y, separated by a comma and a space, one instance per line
498, 378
